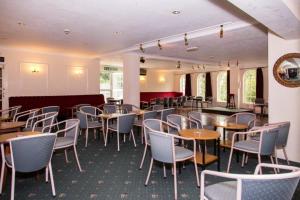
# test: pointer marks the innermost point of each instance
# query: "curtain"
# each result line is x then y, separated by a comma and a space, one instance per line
228, 86
188, 85
259, 83
208, 88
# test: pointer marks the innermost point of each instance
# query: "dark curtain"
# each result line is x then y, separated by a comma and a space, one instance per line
228, 86
208, 88
188, 85
259, 83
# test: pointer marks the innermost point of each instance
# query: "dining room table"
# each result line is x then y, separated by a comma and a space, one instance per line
8, 127
203, 158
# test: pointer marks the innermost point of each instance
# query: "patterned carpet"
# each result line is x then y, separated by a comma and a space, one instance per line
113, 175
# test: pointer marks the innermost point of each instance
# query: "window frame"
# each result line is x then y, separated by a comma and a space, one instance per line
218, 88
244, 86
201, 76
182, 84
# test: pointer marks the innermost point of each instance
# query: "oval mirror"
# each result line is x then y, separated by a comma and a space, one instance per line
287, 70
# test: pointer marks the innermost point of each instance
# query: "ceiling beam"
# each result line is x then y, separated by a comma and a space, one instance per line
276, 15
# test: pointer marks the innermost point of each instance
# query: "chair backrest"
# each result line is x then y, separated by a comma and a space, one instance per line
125, 123
32, 153
127, 108
283, 133
151, 125
42, 120
71, 128
243, 118
82, 118
109, 109
50, 109
89, 109
162, 146
196, 116
13, 111
157, 107
268, 139
175, 120
166, 112
26, 114
150, 115
78, 106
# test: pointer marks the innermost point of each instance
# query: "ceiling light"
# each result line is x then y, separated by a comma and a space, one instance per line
141, 48
221, 31
178, 65
159, 45
142, 60
228, 64
237, 63
185, 40
176, 12
67, 31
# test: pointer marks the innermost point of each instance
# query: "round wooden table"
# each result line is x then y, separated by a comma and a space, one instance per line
203, 135
7, 136
8, 127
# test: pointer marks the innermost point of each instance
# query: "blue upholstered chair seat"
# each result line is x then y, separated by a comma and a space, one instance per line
181, 153
63, 141
94, 124
247, 145
224, 190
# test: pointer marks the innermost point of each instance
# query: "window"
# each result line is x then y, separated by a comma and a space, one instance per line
222, 87
249, 86
111, 84
182, 84
201, 85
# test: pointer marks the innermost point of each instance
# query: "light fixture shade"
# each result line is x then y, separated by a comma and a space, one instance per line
159, 45
141, 48
221, 31
186, 43
178, 65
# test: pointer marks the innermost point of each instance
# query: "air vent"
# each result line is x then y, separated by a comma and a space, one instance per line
192, 49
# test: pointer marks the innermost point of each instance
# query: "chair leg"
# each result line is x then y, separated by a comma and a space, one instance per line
276, 159
175, 181
52, 180
86, 136
124, 138
144, 154
243, 160
105, 141
66, 156
196, 171
165, 171
2, 176
259, 161
131, 133
149, 172
13, 177
77, 160
272, 161
229, 161
142, 135
118, 138
285, 155
246, 159
104, 135
46, 174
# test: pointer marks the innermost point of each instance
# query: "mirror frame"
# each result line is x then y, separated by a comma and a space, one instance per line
277, 65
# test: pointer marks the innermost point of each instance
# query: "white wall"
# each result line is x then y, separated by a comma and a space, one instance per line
157, 81
284, 102
58, 74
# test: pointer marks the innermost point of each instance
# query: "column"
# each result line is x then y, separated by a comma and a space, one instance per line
131, 79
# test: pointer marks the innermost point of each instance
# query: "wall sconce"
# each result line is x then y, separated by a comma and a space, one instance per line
35, 69
162, 79
78, 71
142, 78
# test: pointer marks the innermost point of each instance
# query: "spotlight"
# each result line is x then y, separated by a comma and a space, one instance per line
185, 40
221, 31
228, 64
159, 45
178, 65
142, 60
142, 49
237, 63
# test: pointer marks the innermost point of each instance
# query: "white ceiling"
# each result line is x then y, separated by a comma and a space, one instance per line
100, 27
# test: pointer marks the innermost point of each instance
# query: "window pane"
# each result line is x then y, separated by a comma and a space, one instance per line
104, 80
182, 84
201, 85
222, 87
249, 86
117, 80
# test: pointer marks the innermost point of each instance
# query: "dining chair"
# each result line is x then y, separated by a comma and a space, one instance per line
243, 118
28, 154
87, 123
197, 116
139, 122
124, 125
10, 112
153, 125
77, 107
181, 122
26, 114
264, 147
252, 186
165, 113
109, 109
163, 150
69, 129
38, 122
128, 108
48, 109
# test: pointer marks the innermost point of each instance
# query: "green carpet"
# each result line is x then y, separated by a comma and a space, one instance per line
113, 175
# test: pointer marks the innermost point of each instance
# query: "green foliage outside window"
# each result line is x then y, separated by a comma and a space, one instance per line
249, 83
222, 87
201, 85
